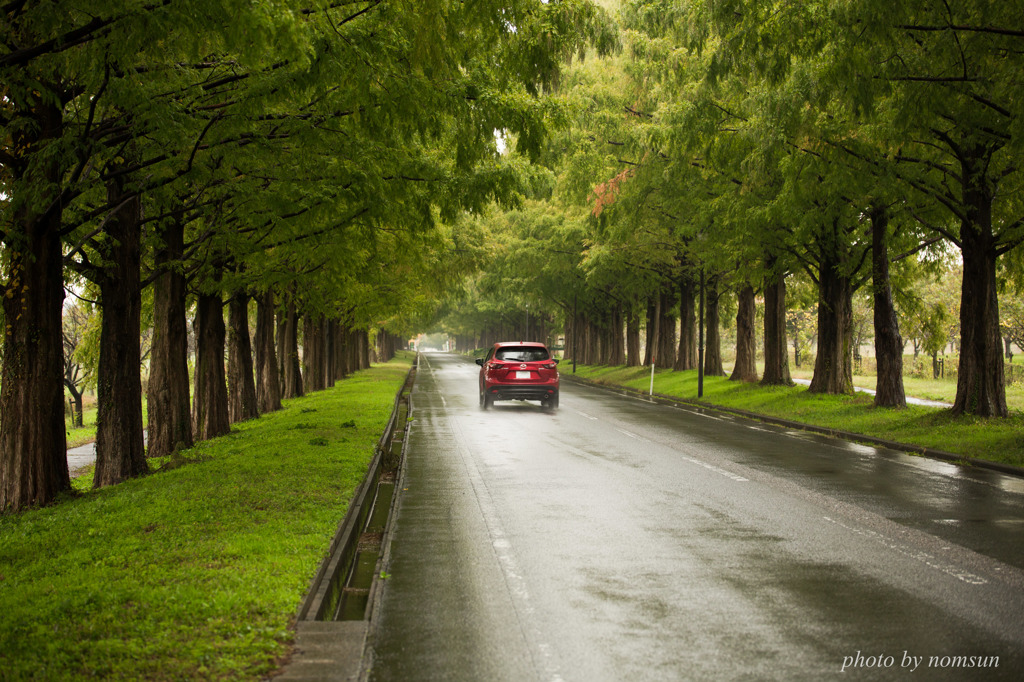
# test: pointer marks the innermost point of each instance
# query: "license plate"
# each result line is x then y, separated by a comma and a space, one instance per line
522, 375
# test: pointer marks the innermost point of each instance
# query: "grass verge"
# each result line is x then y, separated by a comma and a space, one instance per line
943, 390
996, 440
196, 571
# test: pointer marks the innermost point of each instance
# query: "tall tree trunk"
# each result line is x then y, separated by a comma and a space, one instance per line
359, 350
210, 408
602, 341
776, 351
386, 343
282, 353
567, 354
313, 353
632, 339
352, 351
337, 350
76, 410
833, 366
590, 342
888, 342
341, 349
120, 446
652, 333
268, 386
321, 355
291, 387
241, 382
330, 340
580, 338
666, 331
687, 357
745, 368
713, 338
167, 394
355, 351
33, 445
981, 383
364, 349
618, 349
392, 344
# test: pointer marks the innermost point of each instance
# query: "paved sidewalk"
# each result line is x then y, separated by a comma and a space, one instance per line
81, 457
85, 455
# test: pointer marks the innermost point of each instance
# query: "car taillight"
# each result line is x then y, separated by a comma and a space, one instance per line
549, 365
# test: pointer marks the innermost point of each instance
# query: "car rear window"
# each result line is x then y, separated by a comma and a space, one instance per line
521, 354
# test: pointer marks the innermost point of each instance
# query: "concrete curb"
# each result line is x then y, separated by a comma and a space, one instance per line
377, 589
778, 421
333, 650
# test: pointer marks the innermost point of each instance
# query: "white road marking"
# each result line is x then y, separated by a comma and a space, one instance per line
923, 557
710, 467
717, 470
631, 435
504, 553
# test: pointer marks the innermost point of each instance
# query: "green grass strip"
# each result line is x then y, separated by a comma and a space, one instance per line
995, 440
196, 571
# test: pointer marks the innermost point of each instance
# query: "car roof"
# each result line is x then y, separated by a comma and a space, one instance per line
531, 344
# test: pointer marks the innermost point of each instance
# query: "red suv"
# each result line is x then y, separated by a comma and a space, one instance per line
518, 371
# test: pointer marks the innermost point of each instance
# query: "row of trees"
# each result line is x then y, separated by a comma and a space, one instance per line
857, 143
267, 355
304, 153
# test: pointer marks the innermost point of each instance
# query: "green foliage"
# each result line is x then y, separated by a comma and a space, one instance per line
930, 313
1012, 320
195, 571
82, 324
300, 142
704, 146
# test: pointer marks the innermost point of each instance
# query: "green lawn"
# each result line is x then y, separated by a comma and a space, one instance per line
998, 440
86, 433
195, 571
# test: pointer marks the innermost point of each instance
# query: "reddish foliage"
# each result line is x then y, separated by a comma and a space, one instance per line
606, 192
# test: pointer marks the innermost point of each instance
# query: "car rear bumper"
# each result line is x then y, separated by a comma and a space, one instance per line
521, 392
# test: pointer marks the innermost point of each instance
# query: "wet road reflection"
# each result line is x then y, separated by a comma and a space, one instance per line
617, 539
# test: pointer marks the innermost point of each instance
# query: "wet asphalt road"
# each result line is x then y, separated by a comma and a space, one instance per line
616, 539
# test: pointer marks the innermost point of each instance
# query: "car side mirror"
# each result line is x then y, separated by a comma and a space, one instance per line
480, 361
555, 360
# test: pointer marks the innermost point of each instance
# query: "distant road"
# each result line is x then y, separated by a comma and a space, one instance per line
617, 539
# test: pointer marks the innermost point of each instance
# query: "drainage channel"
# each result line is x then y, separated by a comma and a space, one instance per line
355, 595
333, 620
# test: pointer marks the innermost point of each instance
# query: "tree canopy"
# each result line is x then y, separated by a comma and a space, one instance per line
311, 149
357, 170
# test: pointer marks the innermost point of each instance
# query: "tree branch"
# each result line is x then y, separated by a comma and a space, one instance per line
1015, 33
